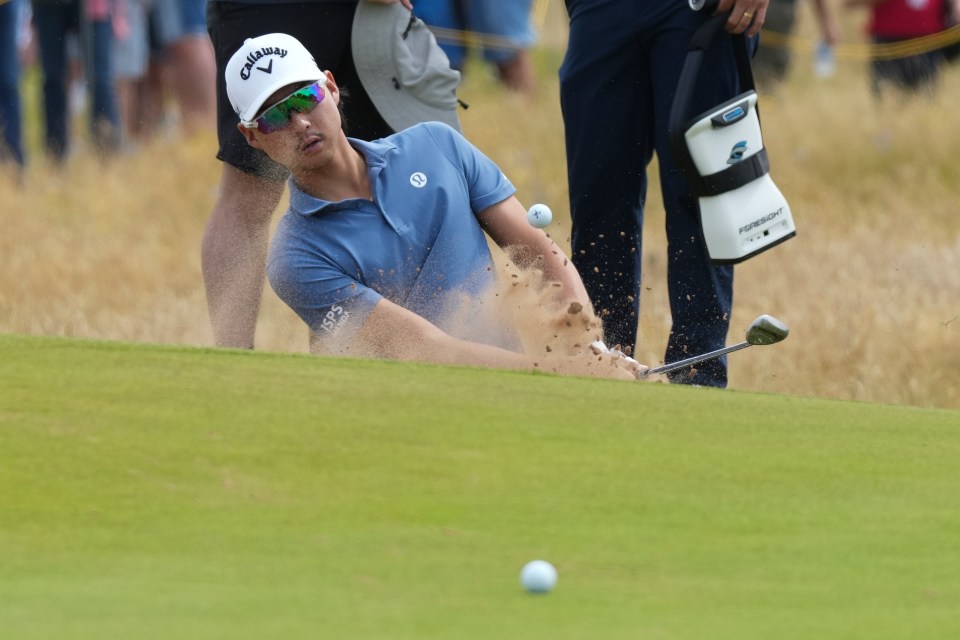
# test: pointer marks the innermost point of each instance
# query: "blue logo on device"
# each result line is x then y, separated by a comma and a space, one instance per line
736, 153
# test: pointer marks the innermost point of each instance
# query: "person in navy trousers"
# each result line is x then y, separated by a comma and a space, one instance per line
617, 84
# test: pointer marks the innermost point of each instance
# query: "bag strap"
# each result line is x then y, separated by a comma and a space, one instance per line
735, 175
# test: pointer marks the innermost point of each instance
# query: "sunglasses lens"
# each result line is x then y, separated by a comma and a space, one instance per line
306, 99
274, 119
303, 101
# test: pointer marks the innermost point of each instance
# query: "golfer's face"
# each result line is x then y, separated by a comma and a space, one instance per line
300, 124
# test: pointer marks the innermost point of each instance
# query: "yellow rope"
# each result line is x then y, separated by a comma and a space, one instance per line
538, 17
867, 51
843, 51
474, 39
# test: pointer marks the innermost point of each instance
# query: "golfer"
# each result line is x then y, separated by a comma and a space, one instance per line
382, 251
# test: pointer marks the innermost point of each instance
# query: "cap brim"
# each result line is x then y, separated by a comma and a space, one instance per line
374, 25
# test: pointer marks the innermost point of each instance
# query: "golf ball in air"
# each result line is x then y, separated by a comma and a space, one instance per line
539, 215
538, 576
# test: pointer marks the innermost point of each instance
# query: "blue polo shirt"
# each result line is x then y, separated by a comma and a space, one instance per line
418, 243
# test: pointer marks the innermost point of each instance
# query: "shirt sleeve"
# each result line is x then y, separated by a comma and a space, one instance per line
486, 183
332, 303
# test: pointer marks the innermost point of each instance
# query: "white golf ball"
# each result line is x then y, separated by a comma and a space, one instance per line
538, 576
539, 215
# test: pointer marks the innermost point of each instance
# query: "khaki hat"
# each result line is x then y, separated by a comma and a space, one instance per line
402, 68
263, 65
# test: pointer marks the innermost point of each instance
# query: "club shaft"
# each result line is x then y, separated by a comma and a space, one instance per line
679, 364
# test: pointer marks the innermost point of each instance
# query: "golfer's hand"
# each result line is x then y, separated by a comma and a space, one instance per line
746, 16
622, 364
407, 3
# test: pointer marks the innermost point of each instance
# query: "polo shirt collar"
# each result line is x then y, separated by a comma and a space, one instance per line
374, 154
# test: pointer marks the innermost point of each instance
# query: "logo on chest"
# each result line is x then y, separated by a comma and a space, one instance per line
418, 179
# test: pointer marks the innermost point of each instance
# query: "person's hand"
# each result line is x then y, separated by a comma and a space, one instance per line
746, 16
406, 3
620, 361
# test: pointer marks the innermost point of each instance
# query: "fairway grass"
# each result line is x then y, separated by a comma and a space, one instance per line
154, 492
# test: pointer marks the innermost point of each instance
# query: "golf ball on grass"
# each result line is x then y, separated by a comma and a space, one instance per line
538, 576
539, 215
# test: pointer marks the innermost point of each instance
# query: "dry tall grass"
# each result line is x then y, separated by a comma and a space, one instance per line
869, 286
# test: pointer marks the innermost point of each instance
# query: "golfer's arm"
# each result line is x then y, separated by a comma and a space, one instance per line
393, 332
390, 331
506, 223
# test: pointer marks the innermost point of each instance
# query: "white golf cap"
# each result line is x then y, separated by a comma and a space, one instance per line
402, 68
263, 65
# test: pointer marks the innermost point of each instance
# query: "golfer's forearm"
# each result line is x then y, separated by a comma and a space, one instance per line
571, 288
394, 333
445, 349
507, 225
559, 269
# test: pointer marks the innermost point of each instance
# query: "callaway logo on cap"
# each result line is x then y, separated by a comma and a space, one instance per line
263, 65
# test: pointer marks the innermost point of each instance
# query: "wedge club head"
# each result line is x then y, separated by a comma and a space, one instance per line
762, 331
766, 330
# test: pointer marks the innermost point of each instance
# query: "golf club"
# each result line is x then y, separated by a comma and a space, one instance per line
764, 330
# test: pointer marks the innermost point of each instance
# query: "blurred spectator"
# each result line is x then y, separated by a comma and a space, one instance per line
94, 22
771, 63
167, 53
618, 81
189, 62
10, 109
503, 30
131, 54
893, 21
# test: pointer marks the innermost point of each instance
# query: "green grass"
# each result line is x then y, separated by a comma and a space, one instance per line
150, 492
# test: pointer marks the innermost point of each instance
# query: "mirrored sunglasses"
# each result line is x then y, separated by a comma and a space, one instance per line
302, 100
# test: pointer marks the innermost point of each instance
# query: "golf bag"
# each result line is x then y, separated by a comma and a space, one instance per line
721, 153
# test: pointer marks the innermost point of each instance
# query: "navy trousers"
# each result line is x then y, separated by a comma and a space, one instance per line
53, 23
11, 115
617, 83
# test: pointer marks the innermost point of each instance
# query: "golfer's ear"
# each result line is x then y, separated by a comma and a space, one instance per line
332, 88
249, 135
